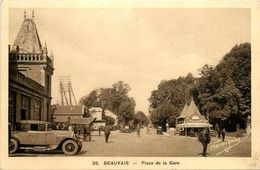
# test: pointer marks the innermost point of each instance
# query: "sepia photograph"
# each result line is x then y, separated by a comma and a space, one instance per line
126, 84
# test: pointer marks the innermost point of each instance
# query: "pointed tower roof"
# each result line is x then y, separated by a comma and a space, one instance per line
183, 112
27, 40
193, 110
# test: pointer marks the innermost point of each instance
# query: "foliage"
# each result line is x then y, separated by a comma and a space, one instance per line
168, 100
110, 120
222, 92
225, 90
114, 99
140, 118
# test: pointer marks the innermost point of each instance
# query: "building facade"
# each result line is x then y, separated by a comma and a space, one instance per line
68, 113
30, 74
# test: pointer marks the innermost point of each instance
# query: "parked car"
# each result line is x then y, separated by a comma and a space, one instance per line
159, 130
126, 129
38, 136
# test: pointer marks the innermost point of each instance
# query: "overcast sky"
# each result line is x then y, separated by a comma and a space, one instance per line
98, 47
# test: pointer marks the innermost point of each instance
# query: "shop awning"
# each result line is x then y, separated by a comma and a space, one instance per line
193, 125
72, 120
85, 121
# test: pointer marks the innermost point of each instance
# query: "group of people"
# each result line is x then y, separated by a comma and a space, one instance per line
60, 126
87, 132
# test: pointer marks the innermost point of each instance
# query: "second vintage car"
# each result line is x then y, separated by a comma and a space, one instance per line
37, 136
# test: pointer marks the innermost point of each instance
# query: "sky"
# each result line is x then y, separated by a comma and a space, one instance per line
98, 47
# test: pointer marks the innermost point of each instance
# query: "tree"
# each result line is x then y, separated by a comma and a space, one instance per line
225, 90
110, 120
168, 100
126, 111
140, 118
88, 101
222, 93
114, 99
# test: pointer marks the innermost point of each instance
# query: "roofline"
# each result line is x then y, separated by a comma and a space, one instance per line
32, 121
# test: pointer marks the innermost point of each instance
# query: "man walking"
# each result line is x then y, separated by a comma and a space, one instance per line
219, 132
88, 133
223, 135
84, 133
138, 130
107, 132
99, 130
75, 130
204, 138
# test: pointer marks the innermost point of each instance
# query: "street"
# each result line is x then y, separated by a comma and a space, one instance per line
153, 145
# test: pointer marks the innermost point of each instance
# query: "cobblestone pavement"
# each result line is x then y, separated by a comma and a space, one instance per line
153, 145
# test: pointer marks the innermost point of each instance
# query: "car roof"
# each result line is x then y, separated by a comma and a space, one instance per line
33, 121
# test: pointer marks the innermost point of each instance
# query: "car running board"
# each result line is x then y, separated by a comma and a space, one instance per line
38, 148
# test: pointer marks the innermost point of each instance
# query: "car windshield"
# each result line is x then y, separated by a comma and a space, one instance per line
23, 127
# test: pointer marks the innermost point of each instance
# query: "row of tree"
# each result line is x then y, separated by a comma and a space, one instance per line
116, 100
222, 93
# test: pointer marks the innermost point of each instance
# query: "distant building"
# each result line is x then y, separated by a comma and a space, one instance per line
30, 72
96, 112
67, 113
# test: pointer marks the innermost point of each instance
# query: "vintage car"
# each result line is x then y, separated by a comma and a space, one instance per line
37, 136
126, 129
159, 130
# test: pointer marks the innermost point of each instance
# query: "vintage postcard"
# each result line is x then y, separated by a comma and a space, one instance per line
129, 85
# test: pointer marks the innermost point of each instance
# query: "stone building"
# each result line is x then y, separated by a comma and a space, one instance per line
30, 73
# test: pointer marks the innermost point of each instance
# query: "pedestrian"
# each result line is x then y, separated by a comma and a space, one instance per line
84, 133
70, 128
75, 130
88, 133
204, 138
219, 132
107, 132
148, 130
99, 130
223, 135
138, 130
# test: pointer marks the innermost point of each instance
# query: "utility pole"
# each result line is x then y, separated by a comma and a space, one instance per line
66, 87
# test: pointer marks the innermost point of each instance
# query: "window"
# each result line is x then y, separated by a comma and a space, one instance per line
48, 82
12, 100
25, 109
47, 105
37, 108
38, 127
34, 127
42, 127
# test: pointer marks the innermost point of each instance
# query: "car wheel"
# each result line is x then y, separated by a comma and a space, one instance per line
13, 146
70, 147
